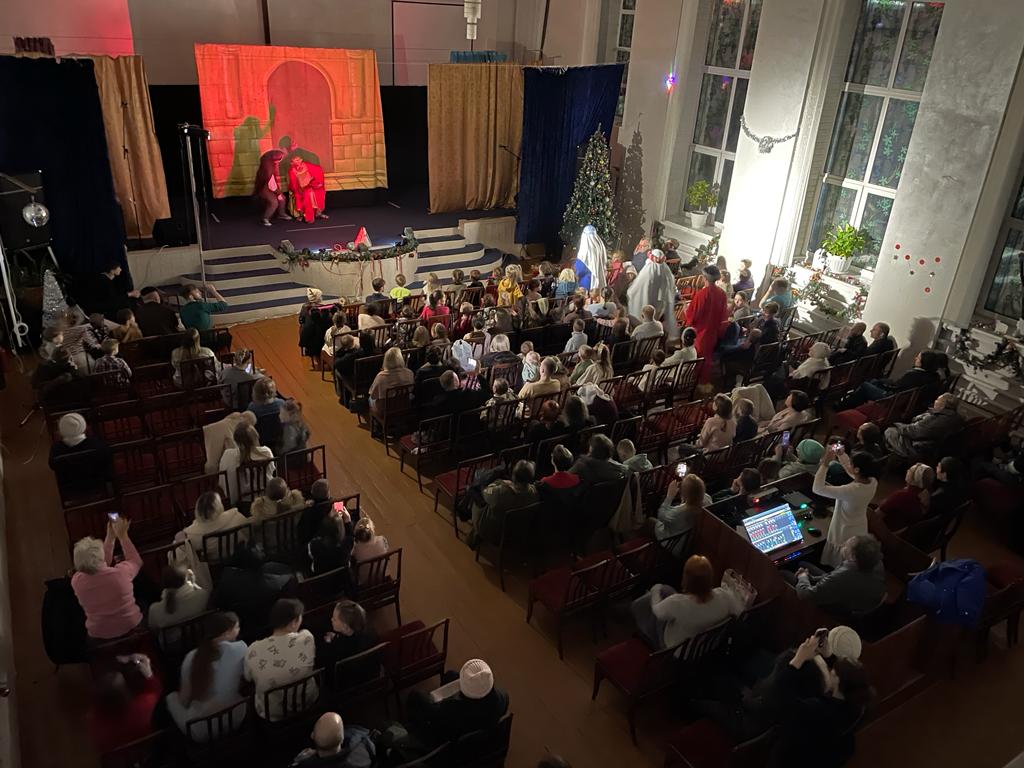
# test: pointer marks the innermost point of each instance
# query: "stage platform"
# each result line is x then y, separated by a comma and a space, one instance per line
241, 260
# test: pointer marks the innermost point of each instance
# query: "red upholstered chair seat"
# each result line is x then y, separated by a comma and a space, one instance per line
624, 663
549, 589
848, 421
450, 480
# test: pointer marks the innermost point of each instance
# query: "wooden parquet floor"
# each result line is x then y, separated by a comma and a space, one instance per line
971, 720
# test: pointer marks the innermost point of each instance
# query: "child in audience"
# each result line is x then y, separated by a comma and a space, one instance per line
531, 364
686, 353
399, 292
578, 337
433, 285
367, 544
53, 337
111, 362
378, 291
509, 289
657, 361
464, 323
127, 329
740, 306
725, 283
746, 280
566, 285
294, 431
500, 393
630, 459
474, 279
746, 424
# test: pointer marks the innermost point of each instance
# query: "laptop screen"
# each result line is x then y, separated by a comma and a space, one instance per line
773, 529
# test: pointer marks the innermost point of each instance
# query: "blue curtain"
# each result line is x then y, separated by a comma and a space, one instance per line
562, 108
476, 57
50, 120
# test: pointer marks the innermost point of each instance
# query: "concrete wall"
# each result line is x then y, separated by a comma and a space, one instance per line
75, 26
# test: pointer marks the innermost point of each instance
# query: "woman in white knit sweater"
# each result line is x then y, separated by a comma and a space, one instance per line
850, 517
601, 368
697, 608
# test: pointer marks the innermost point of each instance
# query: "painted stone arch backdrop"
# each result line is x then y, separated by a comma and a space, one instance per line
322, 104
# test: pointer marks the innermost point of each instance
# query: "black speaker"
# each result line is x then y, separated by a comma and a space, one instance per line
171, 232
15, 231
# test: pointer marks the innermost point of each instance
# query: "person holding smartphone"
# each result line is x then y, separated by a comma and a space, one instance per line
850, 517
104, 589
804, 458
675, 518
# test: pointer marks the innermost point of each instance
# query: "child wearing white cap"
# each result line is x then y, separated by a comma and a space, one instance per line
467, 701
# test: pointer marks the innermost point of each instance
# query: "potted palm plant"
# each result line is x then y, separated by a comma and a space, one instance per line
702, 198
842, 243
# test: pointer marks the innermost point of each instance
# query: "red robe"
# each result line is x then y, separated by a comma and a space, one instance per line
706, 314
311, 198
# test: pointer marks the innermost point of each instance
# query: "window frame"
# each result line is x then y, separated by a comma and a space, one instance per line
620, 107
888, 93
1010, 222
722, 155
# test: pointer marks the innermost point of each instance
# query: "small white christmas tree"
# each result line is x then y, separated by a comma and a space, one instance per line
54, 305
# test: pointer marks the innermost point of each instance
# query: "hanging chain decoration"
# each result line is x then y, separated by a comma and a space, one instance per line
765, 144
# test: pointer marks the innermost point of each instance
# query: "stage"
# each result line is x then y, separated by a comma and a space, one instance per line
241, 259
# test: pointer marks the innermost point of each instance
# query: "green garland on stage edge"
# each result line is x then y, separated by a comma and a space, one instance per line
361, 252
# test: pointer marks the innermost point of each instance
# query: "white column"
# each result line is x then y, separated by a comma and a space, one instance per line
779, 81
963, 106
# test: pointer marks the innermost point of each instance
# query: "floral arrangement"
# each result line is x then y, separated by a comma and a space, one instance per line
353, 253
1006, 357
816, 292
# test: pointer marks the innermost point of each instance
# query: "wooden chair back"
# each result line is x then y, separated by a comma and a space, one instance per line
220, 546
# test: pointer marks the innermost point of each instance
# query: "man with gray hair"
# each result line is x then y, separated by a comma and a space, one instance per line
453, 399
856, 586
337, 745
648, 328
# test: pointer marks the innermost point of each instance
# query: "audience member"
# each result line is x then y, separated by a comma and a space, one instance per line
153, 316
399, 292
94, 334
294, 431
190, 349
103, 587
370, 318
502, 496
850, 516
331, 548
247, 449
366, 543
74, 439
881, 342
276, 500
210, 517
780, 293
852, 347
696, 608
740, 494
911, 503
816, 362
596, 466
586, 359
566, 285
348, 636
477, 705
546, 384
630, 459
746, 424
464, 323
219, 436
687, 353
240, 371
855, 587
923, 374
805, 458
211, 674
741, 306
673, 518
249, 585
768, 468
453, 399
125, 700
265, 400
797, 411
337, 745
500, 352
578, 338
127, 328
181, 599
287, 655
339, 329
394, 373
745, 281
561, 478
547, 423
600, 404
434, 309
196, 312
950, 490
925, 433
648, 327
600, 368
720, 429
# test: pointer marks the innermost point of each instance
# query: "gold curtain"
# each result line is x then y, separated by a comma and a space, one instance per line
472, 110
138, 178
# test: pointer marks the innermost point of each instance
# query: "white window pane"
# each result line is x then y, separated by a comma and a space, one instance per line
874, 222
918, 45
629, 5
625, 30
835, 206
1004, 295
738, 103
874, 47
893, 143
853, 134
724, 37
711, 112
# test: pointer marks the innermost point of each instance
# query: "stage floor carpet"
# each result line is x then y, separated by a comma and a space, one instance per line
235, 222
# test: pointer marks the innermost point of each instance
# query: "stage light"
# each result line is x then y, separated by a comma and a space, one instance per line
35, 214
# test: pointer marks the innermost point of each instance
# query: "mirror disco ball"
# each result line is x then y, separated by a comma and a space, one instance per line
35, 214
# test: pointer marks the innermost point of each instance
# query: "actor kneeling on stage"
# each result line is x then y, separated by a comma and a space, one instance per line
267, 188
306, 194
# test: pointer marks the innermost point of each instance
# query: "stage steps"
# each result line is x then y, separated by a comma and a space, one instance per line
443, 250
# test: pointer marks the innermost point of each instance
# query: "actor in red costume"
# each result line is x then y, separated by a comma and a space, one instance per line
267, 188
706, 314
306, 185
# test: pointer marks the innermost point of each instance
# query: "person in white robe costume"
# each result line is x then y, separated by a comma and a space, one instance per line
655, 285
591, 260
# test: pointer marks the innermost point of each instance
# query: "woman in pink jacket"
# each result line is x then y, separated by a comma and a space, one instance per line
105, 590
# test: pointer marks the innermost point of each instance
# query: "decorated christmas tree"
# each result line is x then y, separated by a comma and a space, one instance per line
629, 203
591, 201
54, 305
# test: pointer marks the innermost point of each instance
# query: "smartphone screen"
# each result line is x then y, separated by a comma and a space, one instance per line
681, 469
339, 507
112, 515
839, 447
785, 438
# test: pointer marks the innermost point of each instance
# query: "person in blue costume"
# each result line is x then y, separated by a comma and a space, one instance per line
591, 260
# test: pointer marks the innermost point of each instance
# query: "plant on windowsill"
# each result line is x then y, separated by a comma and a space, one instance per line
702, 198
842, 243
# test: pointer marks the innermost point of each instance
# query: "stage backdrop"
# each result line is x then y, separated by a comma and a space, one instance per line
320, 103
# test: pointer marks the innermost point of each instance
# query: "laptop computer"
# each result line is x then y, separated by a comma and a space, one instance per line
773, 529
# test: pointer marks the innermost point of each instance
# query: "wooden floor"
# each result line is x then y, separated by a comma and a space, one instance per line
972, 720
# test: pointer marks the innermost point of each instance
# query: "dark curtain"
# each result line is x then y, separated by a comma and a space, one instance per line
50, 120
562, 109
